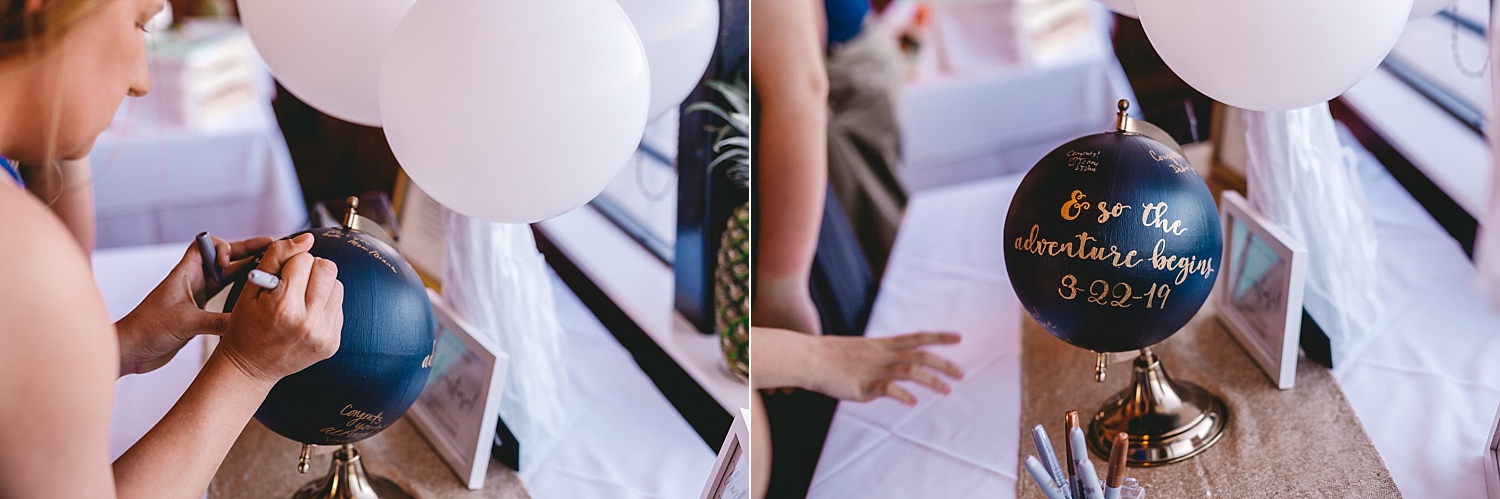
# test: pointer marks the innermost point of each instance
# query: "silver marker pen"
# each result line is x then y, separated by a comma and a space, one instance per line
1049, 458
1043, 479
1088, 478
264, 280
211, 269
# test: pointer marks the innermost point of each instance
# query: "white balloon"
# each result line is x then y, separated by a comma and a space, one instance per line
1122, 7
679, 36
1427, 8
514, 111
326, 52
1268, 55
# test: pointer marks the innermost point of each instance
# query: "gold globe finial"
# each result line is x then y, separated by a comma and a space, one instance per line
351, 219
1123, 123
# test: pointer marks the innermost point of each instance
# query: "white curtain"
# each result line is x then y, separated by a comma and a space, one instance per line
494, 277
1303, 179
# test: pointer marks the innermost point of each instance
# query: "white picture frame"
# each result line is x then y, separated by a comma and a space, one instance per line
457, 411
730, 476
1260, 288
1492, 461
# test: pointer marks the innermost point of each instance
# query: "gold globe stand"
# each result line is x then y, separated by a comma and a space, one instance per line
1167, 420
347, 479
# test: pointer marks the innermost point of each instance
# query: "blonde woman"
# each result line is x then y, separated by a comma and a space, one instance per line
65, 66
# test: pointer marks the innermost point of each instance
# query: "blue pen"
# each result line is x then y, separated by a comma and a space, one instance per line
1049, 458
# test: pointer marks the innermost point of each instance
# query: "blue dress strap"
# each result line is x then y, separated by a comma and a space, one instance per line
10, 169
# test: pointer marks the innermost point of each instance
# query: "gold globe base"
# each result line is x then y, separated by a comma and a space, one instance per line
1167, 420
347, 480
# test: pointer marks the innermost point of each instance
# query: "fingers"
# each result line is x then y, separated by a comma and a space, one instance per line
214, 323
242, 249
889, 389
294, 276
333, 309
279, 252
916, 373
915, 340
938, 363
320, 283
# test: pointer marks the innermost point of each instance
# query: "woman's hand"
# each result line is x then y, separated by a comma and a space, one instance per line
864, 369
274, 333
173, 313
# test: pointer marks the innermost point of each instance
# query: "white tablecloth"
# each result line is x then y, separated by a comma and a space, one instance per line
157, 184
947, 273
624, 439
1426, 391
1428, 387
989, 123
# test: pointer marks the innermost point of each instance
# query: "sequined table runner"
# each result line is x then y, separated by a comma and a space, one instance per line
263, 464
1304, 442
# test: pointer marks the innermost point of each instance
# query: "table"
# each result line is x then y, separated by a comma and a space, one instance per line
264, 464
1426, 390
157, 184
986, 123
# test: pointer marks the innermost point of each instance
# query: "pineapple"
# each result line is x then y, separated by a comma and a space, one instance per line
732, 272
731, 292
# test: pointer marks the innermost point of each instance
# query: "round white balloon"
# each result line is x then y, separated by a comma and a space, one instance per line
679, 36
1122, 7
514, 111
1426, 8
326, 52
1269, 55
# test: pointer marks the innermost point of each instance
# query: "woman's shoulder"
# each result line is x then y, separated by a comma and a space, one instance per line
46, 282
33, 240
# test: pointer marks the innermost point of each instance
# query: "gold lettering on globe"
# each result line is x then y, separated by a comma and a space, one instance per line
1088, 247
360, 424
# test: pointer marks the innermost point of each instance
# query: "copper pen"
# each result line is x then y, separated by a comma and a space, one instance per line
1116, 473
1070, 421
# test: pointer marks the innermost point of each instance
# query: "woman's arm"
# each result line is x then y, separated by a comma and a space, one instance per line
791, 86
68, 190
271, 334
58, 361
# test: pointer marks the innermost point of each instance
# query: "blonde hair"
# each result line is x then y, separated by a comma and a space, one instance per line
23, 31
29, 32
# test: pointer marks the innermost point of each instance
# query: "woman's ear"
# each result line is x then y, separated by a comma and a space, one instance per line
33, 5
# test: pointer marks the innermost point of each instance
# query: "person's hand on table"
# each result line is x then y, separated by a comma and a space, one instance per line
275, 333
851, 368
864, 369
152, 333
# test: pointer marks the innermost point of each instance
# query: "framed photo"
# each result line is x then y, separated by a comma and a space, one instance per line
1492, 461
730, 478
421, 219
1260, 290
458, 408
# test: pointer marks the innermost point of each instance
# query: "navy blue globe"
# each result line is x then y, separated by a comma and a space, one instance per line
384, 354
1113, 242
